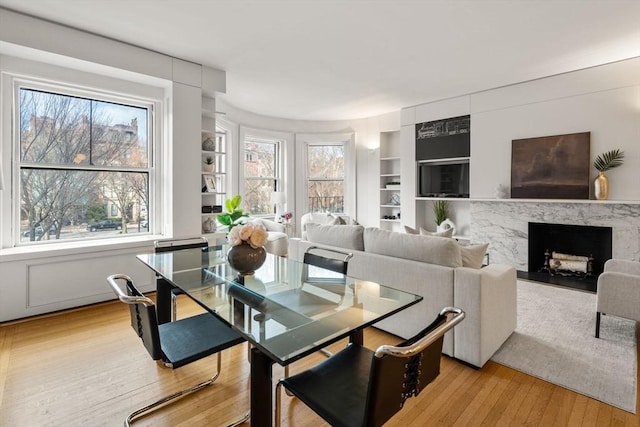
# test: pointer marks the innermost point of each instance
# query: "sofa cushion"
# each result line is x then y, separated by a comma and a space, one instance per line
433, 250
343, 236
473, 255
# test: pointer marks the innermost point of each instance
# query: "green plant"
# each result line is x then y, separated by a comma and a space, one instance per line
234, 214
609, 160
209, 160
440, 208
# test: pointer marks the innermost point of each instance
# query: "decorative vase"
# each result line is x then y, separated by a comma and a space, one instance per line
601, 186
209, 144
245, 259
445, 225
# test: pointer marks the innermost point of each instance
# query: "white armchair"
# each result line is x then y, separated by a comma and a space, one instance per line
277, 239
618, 291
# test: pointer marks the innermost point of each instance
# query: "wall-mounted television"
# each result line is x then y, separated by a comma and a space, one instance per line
443, 179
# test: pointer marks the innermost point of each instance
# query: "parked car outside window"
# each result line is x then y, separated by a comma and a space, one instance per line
106, 224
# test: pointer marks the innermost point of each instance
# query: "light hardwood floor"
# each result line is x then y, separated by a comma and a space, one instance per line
86, 367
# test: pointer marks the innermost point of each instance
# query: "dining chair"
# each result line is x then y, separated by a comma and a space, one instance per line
175, 245
361, 387
173, 344
328, 259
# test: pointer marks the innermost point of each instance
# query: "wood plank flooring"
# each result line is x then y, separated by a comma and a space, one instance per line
86, 367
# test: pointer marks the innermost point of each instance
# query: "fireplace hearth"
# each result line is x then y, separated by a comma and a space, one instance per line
567, 255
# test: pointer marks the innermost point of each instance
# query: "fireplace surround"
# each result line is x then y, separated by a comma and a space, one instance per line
504, 224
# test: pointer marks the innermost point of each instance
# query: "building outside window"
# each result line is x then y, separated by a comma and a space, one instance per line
262, 174
84, 164
325, 177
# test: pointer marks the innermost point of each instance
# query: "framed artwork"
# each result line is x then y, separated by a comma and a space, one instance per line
210, 183
551, 167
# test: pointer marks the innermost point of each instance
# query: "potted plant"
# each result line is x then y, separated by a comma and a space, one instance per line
440, 211
234, 214
393, 184
603, 162
208, 164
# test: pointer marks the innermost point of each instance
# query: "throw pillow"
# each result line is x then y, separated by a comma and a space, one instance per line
473, 255
434, 250
410, 230
446, 233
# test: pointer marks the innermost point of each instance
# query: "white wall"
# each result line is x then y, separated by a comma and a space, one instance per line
46, 278
367, 140
603, 100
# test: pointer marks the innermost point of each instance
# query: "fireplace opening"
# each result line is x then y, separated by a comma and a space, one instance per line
568, 255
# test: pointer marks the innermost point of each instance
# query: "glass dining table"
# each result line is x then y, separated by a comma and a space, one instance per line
286, 310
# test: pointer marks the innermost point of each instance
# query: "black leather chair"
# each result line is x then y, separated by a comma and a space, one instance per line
337, 261
173, 344
360, 387
175, 245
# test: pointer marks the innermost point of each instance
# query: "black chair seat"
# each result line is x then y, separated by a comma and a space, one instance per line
361, 388
193, 338
174, 343
336, 388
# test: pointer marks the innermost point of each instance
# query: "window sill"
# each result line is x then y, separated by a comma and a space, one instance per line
25, 252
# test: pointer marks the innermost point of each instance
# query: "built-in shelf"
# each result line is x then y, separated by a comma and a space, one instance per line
390, 173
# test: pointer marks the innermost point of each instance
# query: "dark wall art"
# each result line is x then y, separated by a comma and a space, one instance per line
551, 167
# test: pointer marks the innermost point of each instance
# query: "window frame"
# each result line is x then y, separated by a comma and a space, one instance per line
281, 139
347, 140
21, 73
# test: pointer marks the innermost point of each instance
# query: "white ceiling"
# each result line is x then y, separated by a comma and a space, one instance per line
348, 59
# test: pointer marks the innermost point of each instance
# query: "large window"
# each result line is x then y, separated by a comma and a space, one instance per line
261, 174
325, 177
84, 164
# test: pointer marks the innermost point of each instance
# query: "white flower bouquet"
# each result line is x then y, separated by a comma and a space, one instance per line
250, 233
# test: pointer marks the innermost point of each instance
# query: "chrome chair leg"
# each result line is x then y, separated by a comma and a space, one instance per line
179, 394
326, 352
174, 307
243, 419
286, 375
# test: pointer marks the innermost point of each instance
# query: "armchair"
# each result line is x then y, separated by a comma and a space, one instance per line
277, 239
618, 291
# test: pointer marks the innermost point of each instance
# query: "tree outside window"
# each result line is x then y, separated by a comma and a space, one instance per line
82, 161
325, 183
261, 174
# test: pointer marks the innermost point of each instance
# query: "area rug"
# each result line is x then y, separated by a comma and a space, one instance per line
554, 340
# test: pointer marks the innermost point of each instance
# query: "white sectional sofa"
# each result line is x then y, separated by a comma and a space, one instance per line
433, 268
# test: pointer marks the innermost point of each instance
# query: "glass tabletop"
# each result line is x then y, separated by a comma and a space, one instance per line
287, 309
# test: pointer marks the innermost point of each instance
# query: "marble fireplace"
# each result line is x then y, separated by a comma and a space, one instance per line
504, 224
